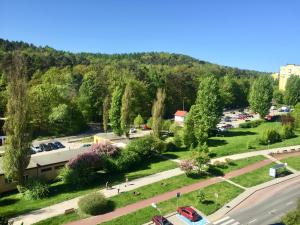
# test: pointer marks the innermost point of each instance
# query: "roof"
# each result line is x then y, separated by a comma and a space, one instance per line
181, 113
52, 157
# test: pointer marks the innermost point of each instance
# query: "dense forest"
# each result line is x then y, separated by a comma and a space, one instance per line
68, 90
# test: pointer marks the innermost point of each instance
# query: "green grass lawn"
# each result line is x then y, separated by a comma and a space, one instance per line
225, 191
293, 162
12, 204
172, 183
240, 163
60, 219
255, 177
238, 140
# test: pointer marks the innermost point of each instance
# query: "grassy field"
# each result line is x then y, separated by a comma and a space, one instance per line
170, 184
12, 204
239, 140
255, 177
293, 162
225, 190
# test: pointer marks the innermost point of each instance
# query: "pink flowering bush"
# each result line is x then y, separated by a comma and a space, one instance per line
187, 165
86, 160
105, 149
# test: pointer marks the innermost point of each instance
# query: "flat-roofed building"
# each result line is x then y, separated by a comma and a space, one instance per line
286, 72
46, 164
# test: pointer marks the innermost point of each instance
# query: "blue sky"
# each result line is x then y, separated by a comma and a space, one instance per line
251, 34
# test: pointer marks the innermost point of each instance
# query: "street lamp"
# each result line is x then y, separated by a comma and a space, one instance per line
155, 207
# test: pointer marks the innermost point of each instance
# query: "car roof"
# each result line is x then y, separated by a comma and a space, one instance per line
188, 208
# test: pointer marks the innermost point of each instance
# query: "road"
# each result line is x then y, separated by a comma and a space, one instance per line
266, 212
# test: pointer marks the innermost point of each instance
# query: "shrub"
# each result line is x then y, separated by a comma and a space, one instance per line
269, 136
220, 164
3, 220
146, 146
105, 149
149, 122
78, 176
287, 131
187, 165
171, 147
127, 160
94, 204
166, 125
86, 160
251, 124
35, 188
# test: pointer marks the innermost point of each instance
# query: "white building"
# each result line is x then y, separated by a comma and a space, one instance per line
179, 117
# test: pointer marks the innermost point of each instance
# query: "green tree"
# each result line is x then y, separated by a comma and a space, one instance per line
105, 115
115, 111
138, 121
296, 115
126, 109
157, 112
278, 96
227, 88
292, 92
261, 94
201, 157
17, 126
205, 114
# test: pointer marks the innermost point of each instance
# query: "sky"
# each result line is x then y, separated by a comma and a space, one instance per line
249, 34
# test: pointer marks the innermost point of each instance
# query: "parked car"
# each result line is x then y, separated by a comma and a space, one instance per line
86, 145
227, 119
58, 144
52, 146
189, 213
36, 149
160, 220
132, 130
44, 147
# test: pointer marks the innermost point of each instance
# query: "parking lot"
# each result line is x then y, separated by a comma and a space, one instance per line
177, 219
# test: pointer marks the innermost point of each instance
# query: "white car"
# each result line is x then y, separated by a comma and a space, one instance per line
36, 149
132, 130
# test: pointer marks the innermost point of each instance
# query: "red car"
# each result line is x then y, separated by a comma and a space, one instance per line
160, 220
189, 213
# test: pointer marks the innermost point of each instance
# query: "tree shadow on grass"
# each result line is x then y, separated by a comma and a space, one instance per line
232, 133
215, 171
8, 201
208, 202
216, 142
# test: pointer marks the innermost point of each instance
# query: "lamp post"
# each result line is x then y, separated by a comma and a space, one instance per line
155, 207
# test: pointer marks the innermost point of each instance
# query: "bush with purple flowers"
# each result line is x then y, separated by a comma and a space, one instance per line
105, 149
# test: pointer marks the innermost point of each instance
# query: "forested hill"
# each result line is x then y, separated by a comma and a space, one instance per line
68, 89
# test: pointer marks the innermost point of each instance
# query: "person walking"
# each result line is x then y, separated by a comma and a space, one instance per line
119, 187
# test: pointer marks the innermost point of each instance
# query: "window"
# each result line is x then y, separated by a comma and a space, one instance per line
26, 177
46, 169
58, 167
8, 181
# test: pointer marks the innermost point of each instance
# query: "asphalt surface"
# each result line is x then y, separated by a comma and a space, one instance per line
267, 212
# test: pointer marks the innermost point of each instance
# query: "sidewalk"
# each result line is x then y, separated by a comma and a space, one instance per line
59, 208
259, 152
166, 196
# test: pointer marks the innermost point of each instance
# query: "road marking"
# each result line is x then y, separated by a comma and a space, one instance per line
221, 220
289, 203
236, 223
272, 211
252, 221
228, 222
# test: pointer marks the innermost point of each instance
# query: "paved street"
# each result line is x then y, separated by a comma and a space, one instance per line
270, 210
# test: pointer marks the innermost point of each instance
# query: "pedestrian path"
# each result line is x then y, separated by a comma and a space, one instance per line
59, 208
166, 196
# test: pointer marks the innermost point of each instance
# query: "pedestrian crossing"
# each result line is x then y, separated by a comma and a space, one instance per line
226, 221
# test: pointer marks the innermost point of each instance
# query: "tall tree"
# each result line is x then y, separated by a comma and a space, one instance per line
157, 111
17, 125
126, 118
261, 94
206, 113
296, 115
115, 111
105, 118
292, 92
